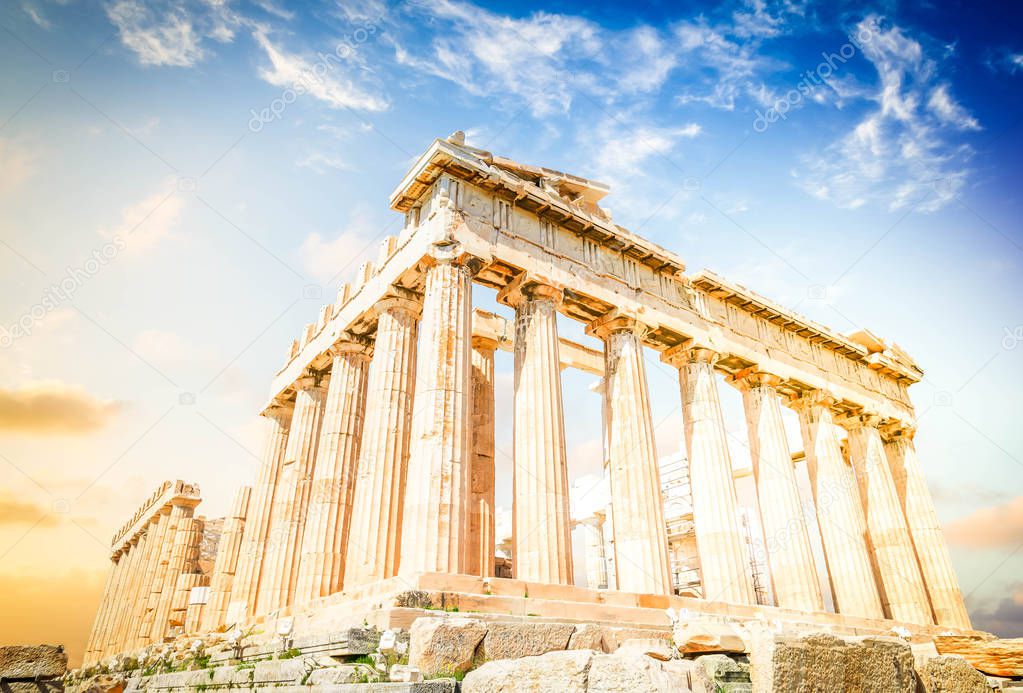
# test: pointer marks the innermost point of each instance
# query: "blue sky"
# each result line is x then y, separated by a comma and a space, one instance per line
207, 173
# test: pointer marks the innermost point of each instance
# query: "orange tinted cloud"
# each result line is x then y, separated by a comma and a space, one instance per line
16, 512
53, 407
1000, 526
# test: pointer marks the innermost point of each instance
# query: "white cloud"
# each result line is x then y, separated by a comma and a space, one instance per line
167, 348
17, 164
624, 146
950, 112
327, 258
325, 78
35, 13
147, 222
165, 36
900, 153
320, 162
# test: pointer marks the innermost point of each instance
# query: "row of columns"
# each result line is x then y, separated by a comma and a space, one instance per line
140, 592
345, 498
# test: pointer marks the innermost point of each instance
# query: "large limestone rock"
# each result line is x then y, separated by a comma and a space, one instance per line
445, 646
516, 640
822, 662
105, 683
565, 672
707, 637
30, 661
997, 657
588, 636
952, 674
635, 673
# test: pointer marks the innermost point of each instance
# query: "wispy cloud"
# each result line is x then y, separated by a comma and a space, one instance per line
328, 79
900, 153
17, 163
995, 527
147, 222
165, 36
53, 407
35, 13
324, 257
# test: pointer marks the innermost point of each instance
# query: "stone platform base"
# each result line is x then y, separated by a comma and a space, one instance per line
398, 601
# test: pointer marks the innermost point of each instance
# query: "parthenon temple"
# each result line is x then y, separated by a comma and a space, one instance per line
378, 472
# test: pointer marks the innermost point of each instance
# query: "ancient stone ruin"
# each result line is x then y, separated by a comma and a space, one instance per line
374, 505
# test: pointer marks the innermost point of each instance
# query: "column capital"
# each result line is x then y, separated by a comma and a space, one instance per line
865, 419
484, 343
452, 253
615, 322
348, 343
399, 302
310, 381
813, 399
524, 288
751, 378
689, 352
892, 431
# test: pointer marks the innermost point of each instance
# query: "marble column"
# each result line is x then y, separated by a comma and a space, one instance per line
330, 508
374, 540
541, 523
184, 552
839, 513
436, 521
902, 586
158, 532
121, 603
596, 552
924, 527
724, 565
175, 516
251, 563
482, 541
640, 535
101, 610
225, 565
789, 553
284, 543
103, 624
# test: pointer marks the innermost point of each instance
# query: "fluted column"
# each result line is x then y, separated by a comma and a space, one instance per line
839, 513
374, 540
101, 610
284, 543
789, 553
147, 631
436, 519
902, 586
640, 535
724, 565
103, 622
330, 508
121, 602
481, 544
225, 565
251, 560
924, 527
155, 545
184, 552
541, 525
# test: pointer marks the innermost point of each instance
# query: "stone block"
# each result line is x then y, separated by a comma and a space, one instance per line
708, 637
825, 662
340, 675
405, 673
564, 671
952, 674
628, 672
445, 646
588, 636
516, 640
656, 648
30, 661
994, 656
719, 673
